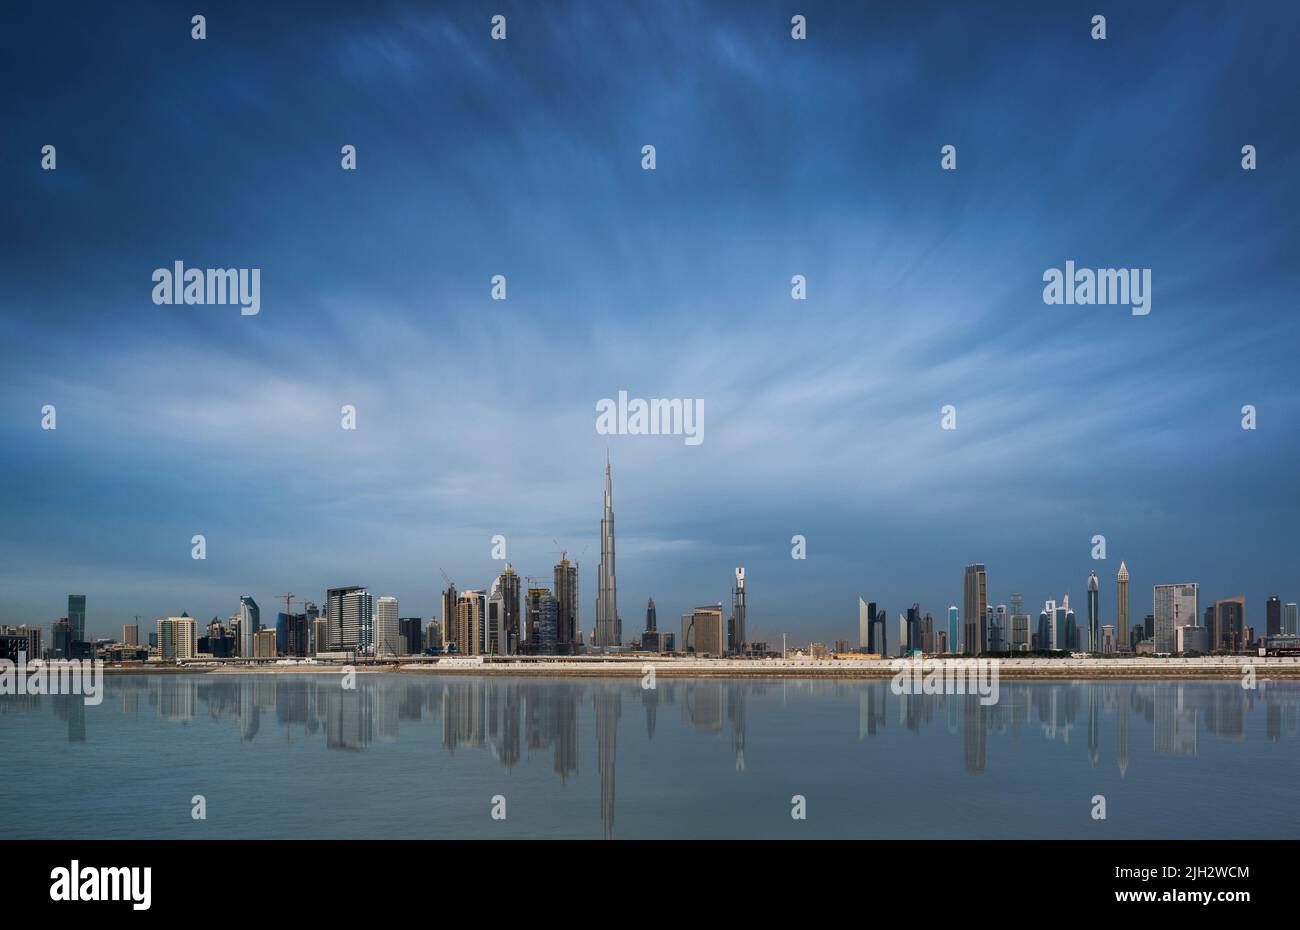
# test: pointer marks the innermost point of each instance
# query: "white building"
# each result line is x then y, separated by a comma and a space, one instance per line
178, 638
1175, 605
386, 635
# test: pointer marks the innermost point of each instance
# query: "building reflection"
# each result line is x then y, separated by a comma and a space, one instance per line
513, 720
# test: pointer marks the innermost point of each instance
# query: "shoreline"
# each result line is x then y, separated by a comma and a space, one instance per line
1208, 669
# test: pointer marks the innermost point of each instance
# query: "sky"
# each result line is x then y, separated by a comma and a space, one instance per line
774, 157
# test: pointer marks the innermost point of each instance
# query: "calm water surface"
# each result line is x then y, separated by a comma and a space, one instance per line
289, 756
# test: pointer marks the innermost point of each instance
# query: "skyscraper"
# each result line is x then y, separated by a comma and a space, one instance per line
449, 615
386, 642
1175, 605
1289, 620
650, 620
609, 629
131, 634
178, 638
250, 621
914, 643
1272, 614
1094, 589
509, 591
975, 606
567, 623
494, 634
542, 617
349, 613
77, 617
1021, 636
471, 609
866, 613
1121, 605
954, 637
410, 631
708, 631
736, 644
1228, 627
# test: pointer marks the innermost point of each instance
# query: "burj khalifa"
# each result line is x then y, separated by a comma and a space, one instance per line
609, 629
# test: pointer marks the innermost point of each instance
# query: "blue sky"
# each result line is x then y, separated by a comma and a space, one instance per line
775, 157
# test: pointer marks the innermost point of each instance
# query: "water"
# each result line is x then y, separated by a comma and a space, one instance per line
406, 756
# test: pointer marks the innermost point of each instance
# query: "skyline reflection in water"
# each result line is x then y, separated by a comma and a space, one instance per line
297, 755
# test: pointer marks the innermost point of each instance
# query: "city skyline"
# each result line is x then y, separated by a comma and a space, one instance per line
924, 289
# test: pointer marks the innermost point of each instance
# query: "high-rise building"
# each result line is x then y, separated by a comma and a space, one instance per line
264, 645
708, 631
1094, 589
471, 610
178, 638
609, 629
131, 634
319, 635
77, 617
866, 613
1174, 605
386, 632
29, 641
1272, 613
651, 620
508, 589
1289, 620
914, 640
1051, 637
1121, 606
954, 636
541, 613
61, 639
291, 634
1227, 631
250, 622
878, 627
349, 615
567, 622
410, 633
1021, 636
975, 605
736, 625
449, 616
494, 621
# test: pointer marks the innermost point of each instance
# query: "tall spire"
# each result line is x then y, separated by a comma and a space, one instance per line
609, 631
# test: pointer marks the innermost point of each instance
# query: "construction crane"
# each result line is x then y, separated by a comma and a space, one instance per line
564, 553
